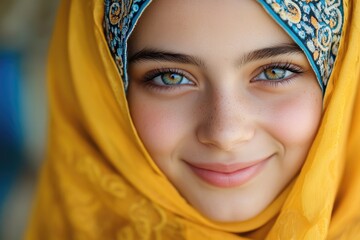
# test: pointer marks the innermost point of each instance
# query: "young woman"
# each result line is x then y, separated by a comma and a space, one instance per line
205, 120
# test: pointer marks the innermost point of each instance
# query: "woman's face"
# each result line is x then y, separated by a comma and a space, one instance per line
225, 102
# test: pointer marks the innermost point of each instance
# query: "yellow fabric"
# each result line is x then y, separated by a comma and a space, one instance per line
98, 181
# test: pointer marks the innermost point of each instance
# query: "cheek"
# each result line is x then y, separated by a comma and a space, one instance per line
297, 119
160, 126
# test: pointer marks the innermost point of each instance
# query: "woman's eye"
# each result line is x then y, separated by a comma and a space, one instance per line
171, 79
274, 73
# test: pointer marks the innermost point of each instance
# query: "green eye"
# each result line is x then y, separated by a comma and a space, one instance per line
275, 73
171, 78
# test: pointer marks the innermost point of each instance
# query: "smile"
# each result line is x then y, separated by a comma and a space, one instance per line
227, 176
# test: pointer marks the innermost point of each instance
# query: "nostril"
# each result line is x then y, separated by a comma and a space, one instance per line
227, 137
227, 120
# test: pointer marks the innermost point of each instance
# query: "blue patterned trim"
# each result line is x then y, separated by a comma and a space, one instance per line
120, 19
315, 25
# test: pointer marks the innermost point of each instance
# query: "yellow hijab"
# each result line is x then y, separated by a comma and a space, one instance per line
98, 181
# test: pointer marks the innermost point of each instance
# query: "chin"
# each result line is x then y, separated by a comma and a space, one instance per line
219, 214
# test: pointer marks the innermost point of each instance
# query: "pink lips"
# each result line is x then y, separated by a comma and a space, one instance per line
227, 176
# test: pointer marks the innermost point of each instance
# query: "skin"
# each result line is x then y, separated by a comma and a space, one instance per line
226, 110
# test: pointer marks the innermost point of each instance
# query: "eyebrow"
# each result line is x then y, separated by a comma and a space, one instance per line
269, 52
151, 54
159, 55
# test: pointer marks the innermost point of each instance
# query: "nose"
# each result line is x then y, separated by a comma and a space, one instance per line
226, 123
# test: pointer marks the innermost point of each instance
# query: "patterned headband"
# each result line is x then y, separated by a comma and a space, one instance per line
315, 25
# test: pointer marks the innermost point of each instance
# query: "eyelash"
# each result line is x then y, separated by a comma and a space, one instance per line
149, 77
287, 66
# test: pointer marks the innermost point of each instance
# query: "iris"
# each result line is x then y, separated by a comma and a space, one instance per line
171, 78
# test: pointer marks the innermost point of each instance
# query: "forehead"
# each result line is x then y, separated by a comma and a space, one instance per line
202, 23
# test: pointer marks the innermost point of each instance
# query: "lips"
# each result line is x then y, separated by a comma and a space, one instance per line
227, 175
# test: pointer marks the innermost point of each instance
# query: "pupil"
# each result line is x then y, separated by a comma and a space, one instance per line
171, 78
275, 73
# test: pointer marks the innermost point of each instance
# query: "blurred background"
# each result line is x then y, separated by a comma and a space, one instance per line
25, 29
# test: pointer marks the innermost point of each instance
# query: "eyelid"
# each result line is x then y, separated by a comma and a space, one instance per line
287, 66
296, 69
150, 75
